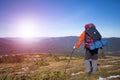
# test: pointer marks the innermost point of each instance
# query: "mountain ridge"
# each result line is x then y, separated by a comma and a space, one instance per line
50, 44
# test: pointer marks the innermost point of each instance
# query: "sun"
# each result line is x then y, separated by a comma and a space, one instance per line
27, 29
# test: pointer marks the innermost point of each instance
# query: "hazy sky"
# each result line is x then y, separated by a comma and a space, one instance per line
55, 18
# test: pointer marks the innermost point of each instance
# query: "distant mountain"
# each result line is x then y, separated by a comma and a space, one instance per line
51, 45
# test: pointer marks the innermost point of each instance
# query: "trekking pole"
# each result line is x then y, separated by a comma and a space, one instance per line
69, 60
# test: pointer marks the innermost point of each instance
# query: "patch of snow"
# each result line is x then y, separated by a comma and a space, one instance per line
19, 72
100, 78
67, 69
118, 69
6, 55
107, 65
109, 71
115, 76
32, 71
110, 77
73, 74
22, 72
1, 68
25, 69
115, 61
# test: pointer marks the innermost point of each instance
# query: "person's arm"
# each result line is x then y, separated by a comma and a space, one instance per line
80, 40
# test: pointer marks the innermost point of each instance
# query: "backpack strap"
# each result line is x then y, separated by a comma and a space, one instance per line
87, 40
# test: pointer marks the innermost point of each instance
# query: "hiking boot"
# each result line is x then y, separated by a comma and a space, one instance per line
89, 73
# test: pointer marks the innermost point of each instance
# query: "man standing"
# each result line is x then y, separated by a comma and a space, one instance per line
91, 56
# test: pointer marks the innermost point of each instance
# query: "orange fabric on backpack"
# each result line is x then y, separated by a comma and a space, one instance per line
80, 40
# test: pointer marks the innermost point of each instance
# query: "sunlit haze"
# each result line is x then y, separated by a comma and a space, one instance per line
27, 28
58, 18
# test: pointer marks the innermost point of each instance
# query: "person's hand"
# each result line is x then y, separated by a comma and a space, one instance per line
73, 47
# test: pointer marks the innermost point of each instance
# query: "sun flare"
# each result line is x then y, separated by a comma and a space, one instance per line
27, 29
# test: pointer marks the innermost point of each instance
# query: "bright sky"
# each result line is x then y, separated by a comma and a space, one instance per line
56, 18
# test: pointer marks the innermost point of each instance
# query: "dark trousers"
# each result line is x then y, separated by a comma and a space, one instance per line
91, 54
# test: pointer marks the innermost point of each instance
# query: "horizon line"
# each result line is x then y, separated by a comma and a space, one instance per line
50, 37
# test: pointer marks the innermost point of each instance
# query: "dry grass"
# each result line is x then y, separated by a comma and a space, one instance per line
51, 67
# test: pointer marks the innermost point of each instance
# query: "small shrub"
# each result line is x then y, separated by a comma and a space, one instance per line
102, 54
12, 59
41, 62
49, 75
56, 58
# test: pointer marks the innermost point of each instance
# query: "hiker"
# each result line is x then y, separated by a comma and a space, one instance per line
91, 56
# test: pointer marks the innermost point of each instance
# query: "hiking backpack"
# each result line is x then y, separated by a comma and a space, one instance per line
93, 39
